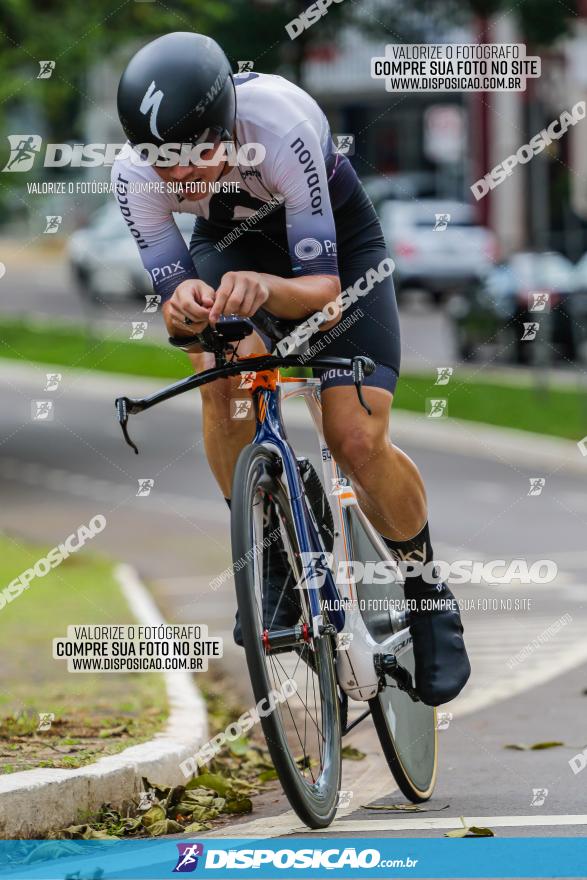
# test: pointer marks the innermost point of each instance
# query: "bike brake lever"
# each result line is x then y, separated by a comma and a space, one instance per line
358, 376
121, 404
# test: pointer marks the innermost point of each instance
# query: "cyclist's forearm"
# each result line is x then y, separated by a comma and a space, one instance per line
299, 297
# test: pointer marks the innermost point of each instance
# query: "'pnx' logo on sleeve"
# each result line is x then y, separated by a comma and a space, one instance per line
187, 859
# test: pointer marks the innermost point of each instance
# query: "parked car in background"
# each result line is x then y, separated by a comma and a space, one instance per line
104, 259
528, 310
436, 245
403, 186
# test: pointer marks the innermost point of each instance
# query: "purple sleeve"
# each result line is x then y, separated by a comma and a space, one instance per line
163, 251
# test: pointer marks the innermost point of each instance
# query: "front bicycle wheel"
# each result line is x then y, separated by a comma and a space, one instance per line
292, 676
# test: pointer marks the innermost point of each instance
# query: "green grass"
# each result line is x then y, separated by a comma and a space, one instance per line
82, 590
560, 412
72, 346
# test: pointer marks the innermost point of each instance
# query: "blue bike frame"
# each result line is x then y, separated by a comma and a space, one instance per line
270, 432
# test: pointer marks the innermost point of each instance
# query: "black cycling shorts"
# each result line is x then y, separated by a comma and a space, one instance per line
370, 326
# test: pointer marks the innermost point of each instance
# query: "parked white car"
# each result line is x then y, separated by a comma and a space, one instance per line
436, 244
104, 258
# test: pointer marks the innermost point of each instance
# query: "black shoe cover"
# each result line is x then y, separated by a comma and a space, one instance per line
442, 665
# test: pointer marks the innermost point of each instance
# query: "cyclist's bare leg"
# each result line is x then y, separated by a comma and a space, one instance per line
224, 437
391, 493
388, 483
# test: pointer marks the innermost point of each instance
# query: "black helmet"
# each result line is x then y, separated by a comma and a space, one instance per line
176, 89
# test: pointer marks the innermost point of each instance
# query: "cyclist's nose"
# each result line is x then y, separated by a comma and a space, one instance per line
181, 172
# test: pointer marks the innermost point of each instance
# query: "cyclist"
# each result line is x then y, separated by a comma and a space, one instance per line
276, 240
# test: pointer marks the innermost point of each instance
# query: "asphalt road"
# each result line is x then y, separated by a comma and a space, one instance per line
55, 475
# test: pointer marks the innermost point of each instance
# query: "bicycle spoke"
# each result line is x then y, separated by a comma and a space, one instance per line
305, 705
320, 739
303, 741
301, 726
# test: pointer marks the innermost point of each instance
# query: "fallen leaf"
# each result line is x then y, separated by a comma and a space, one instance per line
304, 762
238, 805
472, 831
164, 826
175, 794
204, 814
85, 832
352, 754
213, 781
239, 746
405, 808
256, 758
153, 814
522, 747
161, 791
195, 827
201, 804
113, 731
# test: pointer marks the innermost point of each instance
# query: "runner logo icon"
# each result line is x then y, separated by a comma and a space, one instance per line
187, 859
23, 150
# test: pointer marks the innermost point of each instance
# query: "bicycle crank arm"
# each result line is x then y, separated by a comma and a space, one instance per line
386, 664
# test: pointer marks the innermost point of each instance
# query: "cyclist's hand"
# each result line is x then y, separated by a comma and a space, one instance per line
240, 293
191, 299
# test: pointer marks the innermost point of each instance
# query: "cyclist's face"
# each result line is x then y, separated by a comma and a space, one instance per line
195, 177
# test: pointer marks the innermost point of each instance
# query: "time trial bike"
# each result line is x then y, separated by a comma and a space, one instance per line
352, 640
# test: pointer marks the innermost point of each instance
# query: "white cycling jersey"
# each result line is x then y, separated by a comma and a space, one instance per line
298, 167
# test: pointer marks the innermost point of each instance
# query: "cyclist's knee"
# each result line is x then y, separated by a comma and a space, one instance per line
355, 448
217, 396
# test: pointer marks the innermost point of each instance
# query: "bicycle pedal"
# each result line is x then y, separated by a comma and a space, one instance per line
387, 664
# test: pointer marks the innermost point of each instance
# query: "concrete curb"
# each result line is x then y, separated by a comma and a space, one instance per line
34, 802
473, 439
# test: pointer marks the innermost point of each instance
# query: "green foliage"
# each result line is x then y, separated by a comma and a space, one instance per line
77, 35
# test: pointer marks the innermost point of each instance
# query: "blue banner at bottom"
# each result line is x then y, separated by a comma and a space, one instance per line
293, 857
